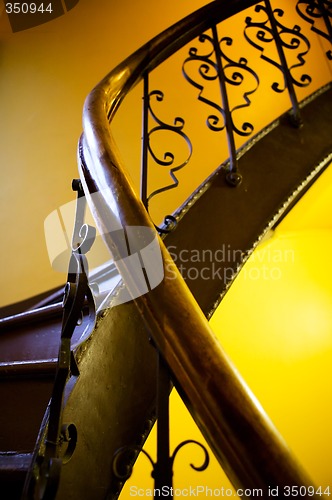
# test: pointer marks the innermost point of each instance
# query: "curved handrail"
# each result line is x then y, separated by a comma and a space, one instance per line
243, 439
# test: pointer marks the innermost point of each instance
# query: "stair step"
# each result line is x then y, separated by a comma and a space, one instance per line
31, 369
13, 469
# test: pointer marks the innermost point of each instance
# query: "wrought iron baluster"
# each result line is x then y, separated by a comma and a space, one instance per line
327, 14
272, 31
145, 139
232, 177
238, 71
162, 469
43, 480
168, 158
163, 473
216, 66
208, 71
318, 9
296, 115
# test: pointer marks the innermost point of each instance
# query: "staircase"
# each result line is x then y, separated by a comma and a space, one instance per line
79, 373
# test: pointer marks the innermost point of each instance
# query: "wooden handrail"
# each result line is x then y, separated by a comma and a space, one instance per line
238, 431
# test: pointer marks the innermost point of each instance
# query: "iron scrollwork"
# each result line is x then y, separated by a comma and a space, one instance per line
208, 71
216, 65
123, 471
60, 440
314, 10
235, 74
265, 34
162, 469
169, 158
206, 461
238, 71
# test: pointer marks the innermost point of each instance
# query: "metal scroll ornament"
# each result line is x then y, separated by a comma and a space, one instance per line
78, 304
208, 72
271, 31
234, 73
316, 12
123, 460
162, 469
168, 159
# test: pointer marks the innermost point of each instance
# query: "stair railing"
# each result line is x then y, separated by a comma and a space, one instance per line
238, 431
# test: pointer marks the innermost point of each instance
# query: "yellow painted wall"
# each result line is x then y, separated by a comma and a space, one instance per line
281, 341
